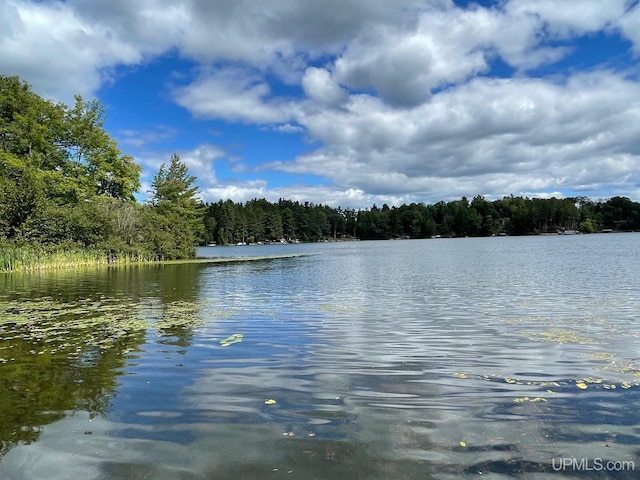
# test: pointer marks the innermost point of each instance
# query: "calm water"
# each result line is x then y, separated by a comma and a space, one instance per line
434, 359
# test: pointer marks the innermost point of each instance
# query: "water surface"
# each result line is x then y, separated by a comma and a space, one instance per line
442, 359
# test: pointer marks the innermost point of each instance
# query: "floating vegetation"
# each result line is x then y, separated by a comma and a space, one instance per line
527, 399
624, 367
45, 325
520, 320
591, 380
58, 356
341, 308
604, 356
179, 314
231, 339
580, 383
558, 336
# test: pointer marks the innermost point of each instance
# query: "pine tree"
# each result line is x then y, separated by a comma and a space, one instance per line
174, 223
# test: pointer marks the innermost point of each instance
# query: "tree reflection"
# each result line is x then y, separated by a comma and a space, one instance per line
178, 295
44, 377
65, 337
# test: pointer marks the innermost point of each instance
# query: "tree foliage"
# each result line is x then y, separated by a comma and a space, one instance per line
226, 222
65, 182
174, 218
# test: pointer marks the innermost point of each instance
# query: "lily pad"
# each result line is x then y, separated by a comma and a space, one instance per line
231, 339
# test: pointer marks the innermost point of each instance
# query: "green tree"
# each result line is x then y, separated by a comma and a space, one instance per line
56, 164
173, 224
95, 156
30, 126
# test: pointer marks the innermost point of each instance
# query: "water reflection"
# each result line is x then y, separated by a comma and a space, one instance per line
44, 377
66, 336
442, 359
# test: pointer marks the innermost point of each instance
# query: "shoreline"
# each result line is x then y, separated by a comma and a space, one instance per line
46, 267
212, 260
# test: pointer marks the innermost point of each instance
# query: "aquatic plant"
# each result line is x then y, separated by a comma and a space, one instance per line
231, 339
34, 258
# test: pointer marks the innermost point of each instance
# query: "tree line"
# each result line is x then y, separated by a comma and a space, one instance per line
258, 220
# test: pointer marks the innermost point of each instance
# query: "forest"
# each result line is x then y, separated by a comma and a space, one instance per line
258, 220
67, 197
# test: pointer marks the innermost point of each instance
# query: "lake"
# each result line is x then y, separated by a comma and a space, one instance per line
509, 357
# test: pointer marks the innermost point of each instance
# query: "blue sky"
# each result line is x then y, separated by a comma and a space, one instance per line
352, 102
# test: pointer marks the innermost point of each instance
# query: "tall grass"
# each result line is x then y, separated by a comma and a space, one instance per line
27, 258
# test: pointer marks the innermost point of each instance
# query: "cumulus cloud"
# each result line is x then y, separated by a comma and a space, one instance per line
286, 128
200, 161
507, 132
239, 191
60, 53
233, 94
331, 195
564, 18
319, 86
259, 32
404, 65
402, 99
446, 46
630, 26
151, 26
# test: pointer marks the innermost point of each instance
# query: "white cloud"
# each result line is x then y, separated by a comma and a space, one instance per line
319, 86
394, 93
334, 196
404, 64
630, 26
287, 128
259, 32
87, 38
564, 18
141, 139
233, 94
152, 26
58, 52
515, 135
200, 161
238, 191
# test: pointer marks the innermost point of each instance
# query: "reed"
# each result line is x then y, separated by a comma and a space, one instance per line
15, 258
34, 257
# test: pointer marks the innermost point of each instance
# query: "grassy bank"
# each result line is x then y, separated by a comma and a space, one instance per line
34, 258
